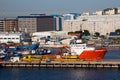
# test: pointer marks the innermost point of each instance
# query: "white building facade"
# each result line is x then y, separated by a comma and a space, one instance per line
104, 24
16, 37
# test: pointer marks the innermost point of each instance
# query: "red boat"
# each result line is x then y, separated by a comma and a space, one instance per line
87, 53
93, 54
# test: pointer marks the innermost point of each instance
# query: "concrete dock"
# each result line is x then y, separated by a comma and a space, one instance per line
52, 64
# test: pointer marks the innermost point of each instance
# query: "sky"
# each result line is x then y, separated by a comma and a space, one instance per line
11, 8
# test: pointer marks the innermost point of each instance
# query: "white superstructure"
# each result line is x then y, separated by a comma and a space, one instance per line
78, 47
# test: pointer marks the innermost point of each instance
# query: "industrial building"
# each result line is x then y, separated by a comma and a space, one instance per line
15, 37
48, 34
35, 23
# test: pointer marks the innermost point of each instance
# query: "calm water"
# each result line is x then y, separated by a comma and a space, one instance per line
112, 54
63, 73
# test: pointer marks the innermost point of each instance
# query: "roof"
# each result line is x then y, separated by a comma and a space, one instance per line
35, 17
11, 33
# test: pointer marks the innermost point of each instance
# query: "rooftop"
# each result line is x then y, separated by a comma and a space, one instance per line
35, 17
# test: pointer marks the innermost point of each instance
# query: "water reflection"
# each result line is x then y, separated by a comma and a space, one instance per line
58, 74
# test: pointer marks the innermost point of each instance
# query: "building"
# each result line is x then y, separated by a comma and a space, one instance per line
110, 11
99, 13
34, 23
118, 12
70, 16
15, 37
2, 25
85, 14
48, 34
58, 22
114, 35
7, 25
94, 23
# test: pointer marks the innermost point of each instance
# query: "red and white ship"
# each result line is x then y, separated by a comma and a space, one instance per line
86, 53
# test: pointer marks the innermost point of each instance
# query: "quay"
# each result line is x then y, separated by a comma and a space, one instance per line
52, 64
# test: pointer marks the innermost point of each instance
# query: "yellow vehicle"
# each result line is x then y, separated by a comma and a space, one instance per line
70, 57
30, 58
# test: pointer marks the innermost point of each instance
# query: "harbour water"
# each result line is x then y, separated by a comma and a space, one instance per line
63, 73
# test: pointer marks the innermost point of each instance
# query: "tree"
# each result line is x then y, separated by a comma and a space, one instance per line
78, 32
117, 30
97, 34
86, 33
70, 32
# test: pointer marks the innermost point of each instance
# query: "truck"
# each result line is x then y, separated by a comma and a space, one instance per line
31, 58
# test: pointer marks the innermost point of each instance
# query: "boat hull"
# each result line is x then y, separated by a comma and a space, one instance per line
92, 55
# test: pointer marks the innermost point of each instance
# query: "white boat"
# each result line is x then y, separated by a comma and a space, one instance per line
85, 52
